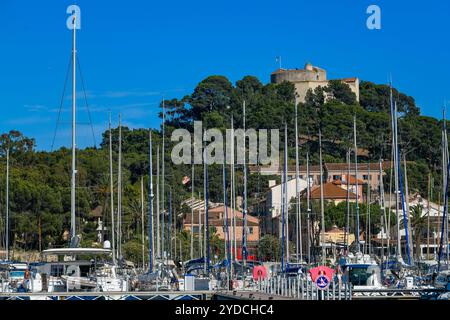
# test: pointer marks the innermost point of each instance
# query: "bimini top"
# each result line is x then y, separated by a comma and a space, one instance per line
76, 251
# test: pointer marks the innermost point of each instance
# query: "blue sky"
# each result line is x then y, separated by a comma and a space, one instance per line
134, 52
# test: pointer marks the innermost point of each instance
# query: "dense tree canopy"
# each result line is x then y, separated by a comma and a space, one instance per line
40, 181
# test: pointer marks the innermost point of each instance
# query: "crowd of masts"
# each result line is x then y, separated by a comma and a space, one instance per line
161, 236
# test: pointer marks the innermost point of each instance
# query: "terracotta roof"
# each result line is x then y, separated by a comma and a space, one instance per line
374, 166
331, 191
352, 181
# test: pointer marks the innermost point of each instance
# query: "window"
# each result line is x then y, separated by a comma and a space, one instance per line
56, 270
250, 230
365, 177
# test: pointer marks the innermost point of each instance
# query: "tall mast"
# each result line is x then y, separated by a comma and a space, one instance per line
299, 244
119, 192
283, 202
383, 207
356, 181
163, 176
408, 212
369, 248
158, 212
347, 224
142, 223
227, 234
7, 204
74, 170
445, 169
244, 213
395, 160
233, 199
174, 232
192, 211
308, 207
205, 186
285, 194
169, 225
397, 214
150, 205
428, 216
446, 175
322, 209
111, 194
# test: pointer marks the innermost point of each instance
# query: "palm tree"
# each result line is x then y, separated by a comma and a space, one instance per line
419, 225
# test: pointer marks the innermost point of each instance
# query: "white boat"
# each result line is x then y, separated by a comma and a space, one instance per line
17, 277
67, 273
362, 272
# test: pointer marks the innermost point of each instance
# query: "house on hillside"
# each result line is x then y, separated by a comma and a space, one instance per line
216, 218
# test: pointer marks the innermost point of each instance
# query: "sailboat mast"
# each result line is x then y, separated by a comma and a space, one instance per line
7, 204
192, 211
322, 209
227, 234
111, 195
233, 199
347, 224
428, 216
285, 194
369, 247
283, 202
158, 212
169, 225
308, 207
356, 183
383, 207
142, 223
150, 206
244, 213
445, 168
408, 212
119, 192
206, 204
163, 177
74, 170
397, 214
446, 194
299, 244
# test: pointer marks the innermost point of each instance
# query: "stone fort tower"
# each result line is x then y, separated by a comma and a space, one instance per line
309, 78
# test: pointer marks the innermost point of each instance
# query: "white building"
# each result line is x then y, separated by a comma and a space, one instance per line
275, 196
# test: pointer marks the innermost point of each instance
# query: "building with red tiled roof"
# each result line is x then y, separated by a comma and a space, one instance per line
368, 173
332, 192
216, 218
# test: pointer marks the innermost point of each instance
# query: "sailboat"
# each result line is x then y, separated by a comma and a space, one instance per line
359, 270
68, 272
